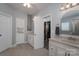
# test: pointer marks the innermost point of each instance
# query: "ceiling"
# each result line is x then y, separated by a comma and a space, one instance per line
36, 7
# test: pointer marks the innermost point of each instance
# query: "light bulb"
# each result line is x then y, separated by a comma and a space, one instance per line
24, 4
68, 6
62, 8
28, 5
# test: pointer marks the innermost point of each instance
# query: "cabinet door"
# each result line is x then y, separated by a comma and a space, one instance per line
71, 52
61, 51
32, 40
53, 51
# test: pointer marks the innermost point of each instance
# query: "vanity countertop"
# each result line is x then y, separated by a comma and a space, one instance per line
66, 40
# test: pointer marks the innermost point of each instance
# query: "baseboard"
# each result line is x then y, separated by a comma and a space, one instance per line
14, 45
25, 42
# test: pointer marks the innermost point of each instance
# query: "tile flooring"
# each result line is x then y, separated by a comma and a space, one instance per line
24, 50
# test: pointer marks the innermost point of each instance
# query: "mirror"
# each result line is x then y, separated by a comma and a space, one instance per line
70, 24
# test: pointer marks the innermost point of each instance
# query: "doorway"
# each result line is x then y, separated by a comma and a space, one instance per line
47, 33
20, 30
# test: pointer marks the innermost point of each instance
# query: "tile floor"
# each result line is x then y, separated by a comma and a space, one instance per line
24, 50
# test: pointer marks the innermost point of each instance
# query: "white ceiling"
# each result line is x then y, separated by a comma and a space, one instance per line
36, 7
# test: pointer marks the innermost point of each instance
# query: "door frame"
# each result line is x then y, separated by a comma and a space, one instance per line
48, 15
8, 15
45, 35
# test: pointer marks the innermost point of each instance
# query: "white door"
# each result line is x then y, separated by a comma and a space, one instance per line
38, 31
20, 29
5, 32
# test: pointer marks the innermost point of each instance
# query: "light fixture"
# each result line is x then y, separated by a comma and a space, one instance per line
68, 5
27, 4
62, 8
24, 4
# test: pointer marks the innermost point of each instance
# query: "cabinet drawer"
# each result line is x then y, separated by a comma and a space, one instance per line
72, 52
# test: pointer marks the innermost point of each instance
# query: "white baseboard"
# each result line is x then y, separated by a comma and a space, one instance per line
25, 42
14, 45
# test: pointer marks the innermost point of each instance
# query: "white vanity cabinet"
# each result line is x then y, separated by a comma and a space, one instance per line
31, 40
61, 51
52, 50
65, 52
57, 48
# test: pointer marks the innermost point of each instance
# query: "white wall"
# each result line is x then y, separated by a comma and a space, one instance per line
15, 14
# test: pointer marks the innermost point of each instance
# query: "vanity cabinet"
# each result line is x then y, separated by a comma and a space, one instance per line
61, 51
57, 48
64, 52
31, 40
52, 50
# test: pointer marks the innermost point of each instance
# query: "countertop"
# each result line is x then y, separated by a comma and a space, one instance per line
66, 40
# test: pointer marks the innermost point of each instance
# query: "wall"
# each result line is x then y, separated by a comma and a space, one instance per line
15, 14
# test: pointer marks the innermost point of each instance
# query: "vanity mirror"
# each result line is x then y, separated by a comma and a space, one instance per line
70, 24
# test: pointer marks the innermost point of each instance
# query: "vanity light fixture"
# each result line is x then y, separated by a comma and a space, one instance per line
24, 4
62, 8
28, 5
68, 5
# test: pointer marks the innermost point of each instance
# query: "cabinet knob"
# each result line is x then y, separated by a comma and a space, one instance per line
68, 54
65, 54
